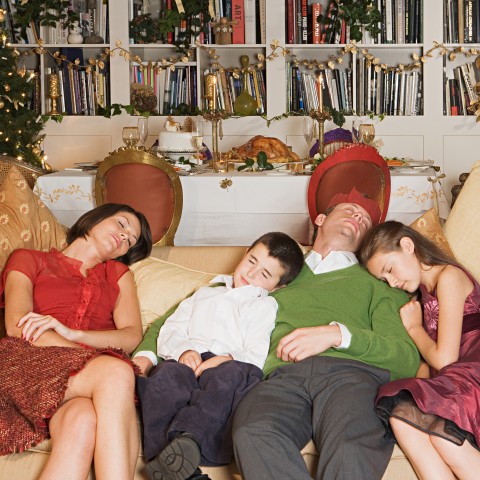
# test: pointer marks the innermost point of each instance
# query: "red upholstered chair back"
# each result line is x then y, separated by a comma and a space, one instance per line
148, 184
357, 166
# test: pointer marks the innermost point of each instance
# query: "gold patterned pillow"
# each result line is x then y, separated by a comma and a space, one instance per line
429, 226
25, 221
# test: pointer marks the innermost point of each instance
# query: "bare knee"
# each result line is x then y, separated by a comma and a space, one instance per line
75, 422
115, 374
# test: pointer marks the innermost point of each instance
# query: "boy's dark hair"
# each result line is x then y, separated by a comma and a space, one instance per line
87, 221
286, 250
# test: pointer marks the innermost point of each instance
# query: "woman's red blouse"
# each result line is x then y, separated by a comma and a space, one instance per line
61, 290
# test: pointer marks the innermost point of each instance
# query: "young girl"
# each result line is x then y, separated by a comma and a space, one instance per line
432, 417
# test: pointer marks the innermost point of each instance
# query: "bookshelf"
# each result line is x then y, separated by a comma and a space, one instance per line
451, 141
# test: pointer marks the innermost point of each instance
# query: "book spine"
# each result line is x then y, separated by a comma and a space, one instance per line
290, 21
316, 33
238, 35
304, 25
250, 21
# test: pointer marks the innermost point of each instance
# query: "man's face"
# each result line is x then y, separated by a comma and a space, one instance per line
346, 226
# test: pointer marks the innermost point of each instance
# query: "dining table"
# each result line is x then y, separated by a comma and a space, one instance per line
235, 208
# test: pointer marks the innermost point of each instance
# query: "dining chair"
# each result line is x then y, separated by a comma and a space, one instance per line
29, 172
356, 165
148, 184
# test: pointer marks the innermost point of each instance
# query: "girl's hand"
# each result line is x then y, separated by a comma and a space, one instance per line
211, 363
33, 325
190, 358
411, 315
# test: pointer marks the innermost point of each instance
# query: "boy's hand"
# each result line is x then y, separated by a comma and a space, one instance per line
211, 363
144, 364
190, 358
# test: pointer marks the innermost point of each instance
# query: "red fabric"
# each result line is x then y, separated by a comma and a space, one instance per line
452, 394
356, 197
85, 303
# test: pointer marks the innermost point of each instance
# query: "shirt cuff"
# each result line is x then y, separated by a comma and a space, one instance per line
346, 336
150, 355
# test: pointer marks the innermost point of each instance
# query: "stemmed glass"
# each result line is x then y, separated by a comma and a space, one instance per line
197, 136
130, 136
142, 125
308, 128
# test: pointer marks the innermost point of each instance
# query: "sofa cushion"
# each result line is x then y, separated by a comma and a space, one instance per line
429, 226
161, 285
462, 226
25, 221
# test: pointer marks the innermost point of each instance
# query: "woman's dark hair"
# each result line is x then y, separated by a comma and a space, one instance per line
286, 250
87, 221
386, 237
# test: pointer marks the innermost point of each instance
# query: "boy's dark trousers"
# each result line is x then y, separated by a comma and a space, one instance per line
173, 401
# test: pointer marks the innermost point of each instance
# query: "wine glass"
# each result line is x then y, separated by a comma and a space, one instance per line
308, 133
197, 136
367, 133
130, 136
142, 125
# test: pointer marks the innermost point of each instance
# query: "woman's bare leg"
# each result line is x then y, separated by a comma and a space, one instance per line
72, 429
109, 382
417, 446
464, 460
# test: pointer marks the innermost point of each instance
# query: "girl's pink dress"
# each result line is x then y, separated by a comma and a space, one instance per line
33, 379
448, 404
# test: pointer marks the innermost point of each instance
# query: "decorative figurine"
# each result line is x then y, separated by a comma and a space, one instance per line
223, 30
75, 33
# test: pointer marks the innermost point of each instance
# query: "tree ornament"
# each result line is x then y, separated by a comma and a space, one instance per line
2, 104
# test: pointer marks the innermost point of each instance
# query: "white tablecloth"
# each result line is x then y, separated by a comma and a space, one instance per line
250, 205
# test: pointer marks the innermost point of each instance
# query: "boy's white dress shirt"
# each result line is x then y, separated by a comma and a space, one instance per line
221, 320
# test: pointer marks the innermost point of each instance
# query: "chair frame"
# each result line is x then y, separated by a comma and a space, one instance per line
135, 155
349, 153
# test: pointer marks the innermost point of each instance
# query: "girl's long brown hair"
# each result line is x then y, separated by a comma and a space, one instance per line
386, 237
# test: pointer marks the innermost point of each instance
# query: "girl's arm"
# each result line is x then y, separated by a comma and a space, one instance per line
453, 287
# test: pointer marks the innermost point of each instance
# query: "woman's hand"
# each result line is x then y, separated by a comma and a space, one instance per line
190, 358
411, 315
144, 364
211, 363
33, 325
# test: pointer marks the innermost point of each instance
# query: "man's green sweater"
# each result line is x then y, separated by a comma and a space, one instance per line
368, 307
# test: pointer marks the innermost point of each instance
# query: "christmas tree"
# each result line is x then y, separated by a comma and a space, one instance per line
20, 126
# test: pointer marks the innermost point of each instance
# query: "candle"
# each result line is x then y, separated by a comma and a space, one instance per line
211, 90
320, 92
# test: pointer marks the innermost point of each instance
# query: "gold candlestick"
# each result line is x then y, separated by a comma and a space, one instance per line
216, 117
320, 116
53, 92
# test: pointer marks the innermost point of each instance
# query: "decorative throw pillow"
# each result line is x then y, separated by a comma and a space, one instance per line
160, 285
429, 226
462, 226
25, 221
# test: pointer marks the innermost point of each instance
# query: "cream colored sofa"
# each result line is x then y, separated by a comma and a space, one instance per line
462, 230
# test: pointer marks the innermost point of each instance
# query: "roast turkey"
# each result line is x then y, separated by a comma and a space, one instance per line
275, 149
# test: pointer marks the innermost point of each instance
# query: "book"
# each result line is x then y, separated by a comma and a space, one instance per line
291, 22
249, 18
316, 30
238, 35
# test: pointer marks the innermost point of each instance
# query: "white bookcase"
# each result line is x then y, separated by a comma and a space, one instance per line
452, 142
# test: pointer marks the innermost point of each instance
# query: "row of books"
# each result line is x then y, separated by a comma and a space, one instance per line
249, 17
173, 89
401, 22
387, 93
82, 92
92, 21
229, 87
460, 90
461, 21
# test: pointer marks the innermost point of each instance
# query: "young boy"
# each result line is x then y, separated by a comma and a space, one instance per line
215, 344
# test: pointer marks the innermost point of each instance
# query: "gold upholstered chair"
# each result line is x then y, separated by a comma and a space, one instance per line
148, 184
29, 172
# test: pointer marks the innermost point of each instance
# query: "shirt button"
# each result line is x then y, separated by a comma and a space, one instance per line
85, 301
